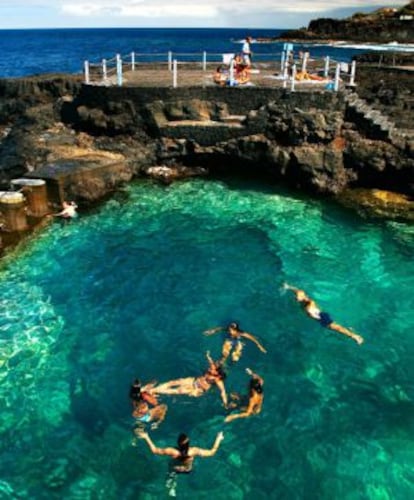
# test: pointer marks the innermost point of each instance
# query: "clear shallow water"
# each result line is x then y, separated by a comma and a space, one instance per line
127, 290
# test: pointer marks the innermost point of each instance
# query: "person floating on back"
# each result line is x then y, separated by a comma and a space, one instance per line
313, 311
197, 386
255, 401
233, 341
182, 456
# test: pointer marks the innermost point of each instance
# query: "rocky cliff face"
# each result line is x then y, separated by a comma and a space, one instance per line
94, 139
383, 26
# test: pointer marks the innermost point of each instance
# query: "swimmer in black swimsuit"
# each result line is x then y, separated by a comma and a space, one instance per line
313, 311
183, 456
233, 341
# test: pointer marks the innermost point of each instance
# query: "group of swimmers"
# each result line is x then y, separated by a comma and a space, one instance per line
148, 410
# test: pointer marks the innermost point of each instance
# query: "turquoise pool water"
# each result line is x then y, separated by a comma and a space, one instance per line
126, 292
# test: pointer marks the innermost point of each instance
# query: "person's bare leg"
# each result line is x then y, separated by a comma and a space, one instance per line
158, 415
179, 386
345, 331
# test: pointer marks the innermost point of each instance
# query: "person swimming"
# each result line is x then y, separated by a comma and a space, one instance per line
255, 398
324, 318
182, 456
141, 401
197, 386
233, 341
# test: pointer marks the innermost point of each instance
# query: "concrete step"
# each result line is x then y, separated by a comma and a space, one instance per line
233, 119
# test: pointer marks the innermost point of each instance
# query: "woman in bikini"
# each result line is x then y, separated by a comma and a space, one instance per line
233, 341
182, 456
197, 386
255, 402
314, 312
141, 401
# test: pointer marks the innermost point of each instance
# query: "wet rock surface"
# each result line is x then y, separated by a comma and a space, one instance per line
378, 204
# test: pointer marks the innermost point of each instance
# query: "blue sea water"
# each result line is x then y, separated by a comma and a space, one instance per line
28, 52
126, 291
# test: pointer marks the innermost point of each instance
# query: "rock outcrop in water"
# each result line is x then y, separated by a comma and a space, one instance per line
382, 26
92, 139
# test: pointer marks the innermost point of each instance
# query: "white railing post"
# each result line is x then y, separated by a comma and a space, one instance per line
170, 60
119, 70
104, 70
231, 77
204, 60
304, 61
132, 61
353, 68
86, 71
282, 61
285, 73
175, 73
337, 74
292, 83
326, 69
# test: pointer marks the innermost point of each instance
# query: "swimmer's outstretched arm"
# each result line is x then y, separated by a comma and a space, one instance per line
254, 375
209, 358
286, 286
200, 452
243, 414
212, 331
299, 294
254, 340
171, 452
250, 410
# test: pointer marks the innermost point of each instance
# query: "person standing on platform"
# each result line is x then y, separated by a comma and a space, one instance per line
247, 52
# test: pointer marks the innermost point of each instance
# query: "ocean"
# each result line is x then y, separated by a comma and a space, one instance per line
28, 52
126, 291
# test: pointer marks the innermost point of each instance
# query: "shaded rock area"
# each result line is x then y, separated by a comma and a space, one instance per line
384, 25
35, 141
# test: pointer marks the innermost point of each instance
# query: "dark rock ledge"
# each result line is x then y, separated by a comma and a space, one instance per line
87, 141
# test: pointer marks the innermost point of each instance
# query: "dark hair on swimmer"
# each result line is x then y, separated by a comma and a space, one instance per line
221, 371
234, 325
137, 382
255, 385
183, 442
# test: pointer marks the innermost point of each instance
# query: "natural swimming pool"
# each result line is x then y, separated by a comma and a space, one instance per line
127, 290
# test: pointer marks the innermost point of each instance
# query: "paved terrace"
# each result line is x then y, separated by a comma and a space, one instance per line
192, 75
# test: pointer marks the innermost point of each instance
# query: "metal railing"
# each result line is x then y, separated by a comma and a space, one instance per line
111, 71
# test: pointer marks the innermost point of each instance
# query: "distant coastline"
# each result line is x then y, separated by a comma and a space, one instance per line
384, 25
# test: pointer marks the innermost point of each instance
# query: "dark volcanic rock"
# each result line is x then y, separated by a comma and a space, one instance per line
93, 139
